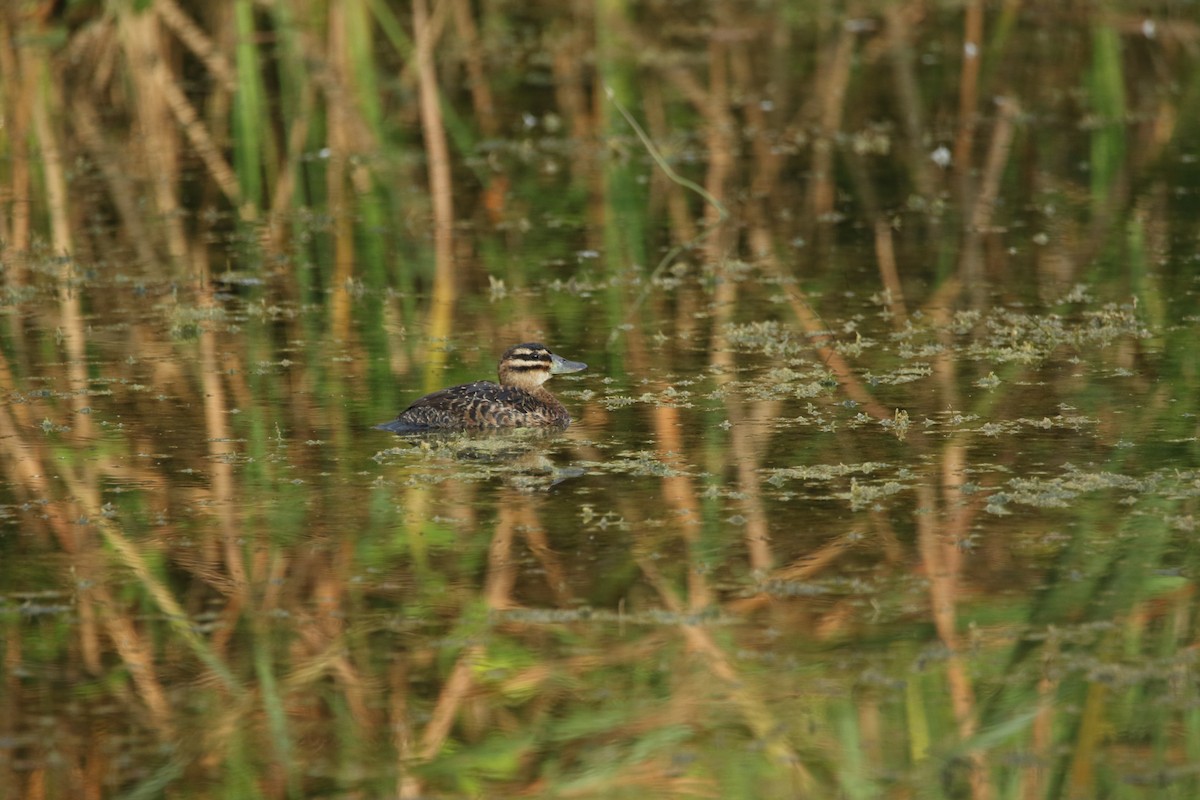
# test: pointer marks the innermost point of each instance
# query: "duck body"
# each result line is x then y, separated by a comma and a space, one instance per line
519, 400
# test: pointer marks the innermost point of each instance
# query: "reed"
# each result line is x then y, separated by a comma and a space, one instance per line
251, 137
445, 281
236, 236
1106, 93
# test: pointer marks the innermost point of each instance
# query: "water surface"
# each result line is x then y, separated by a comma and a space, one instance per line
881, 483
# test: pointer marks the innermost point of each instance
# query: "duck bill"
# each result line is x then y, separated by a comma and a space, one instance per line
560, 366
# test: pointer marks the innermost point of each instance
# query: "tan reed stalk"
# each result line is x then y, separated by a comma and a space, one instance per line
34, 63
502, 564
284, 191
117, 175
756, 712
908, 94
16, 92
202, 140
979, 213
220, 451
889, 275
157, 138
455, 690
765, 161
440, 189
679, 492
536, 539
831, 86
722, 144
477, 73
70, 308
198, 42
654, 107
400, 723
340, 138
968, 90
941, 560
569, 93
811, 323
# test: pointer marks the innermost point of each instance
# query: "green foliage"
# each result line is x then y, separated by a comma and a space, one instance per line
818, 530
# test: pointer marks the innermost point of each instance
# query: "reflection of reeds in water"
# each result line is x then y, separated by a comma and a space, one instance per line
306, 606
437, 155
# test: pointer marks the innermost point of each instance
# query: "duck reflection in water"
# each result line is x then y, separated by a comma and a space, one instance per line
519, 400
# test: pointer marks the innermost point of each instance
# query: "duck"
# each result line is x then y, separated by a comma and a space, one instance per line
519, 400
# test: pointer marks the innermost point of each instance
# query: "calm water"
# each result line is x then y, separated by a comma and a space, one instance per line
883, 486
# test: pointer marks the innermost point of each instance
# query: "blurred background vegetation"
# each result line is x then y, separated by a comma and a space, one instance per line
883, 482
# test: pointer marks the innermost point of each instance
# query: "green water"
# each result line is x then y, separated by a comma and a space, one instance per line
882, 486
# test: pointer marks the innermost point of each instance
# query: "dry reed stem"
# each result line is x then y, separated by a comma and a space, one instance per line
408, 785
17, 85
355, 690
722, 148
502, 568
1093, 728
831, 86
202, 140
569, 93
24, 470
34, 64
12, 664
477, 75
683, 225
142, 40
436, 22
318, 659
889, 275
116, 174
1033, 779
340, 120
758, 716
939, 531
26, 462
70, 308
813, 563
908, 93
766, 161
138, 658
282, 196
940, 558
535, 538
198, 42
680, 495
968, 89
440, 187
454, 691
833, 361
757, 532
221, 451
979, 216
358, 133
35, 785
871, 728
134, 651
326, 644
128, 554
719, 143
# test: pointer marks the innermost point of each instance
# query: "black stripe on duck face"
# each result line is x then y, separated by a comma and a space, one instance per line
527, 358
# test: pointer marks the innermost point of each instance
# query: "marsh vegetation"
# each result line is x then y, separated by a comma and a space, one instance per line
883, 475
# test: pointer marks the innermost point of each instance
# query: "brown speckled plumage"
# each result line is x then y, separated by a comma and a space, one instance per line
518, 401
